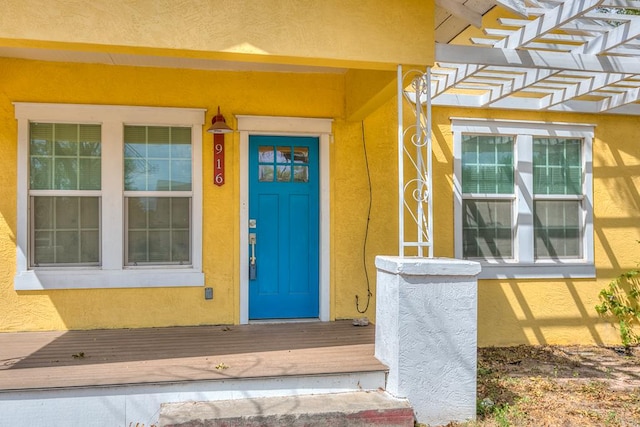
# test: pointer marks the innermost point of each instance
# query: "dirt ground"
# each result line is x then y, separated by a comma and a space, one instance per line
558, 386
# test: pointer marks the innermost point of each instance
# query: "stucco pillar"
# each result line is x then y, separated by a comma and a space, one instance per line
426, 333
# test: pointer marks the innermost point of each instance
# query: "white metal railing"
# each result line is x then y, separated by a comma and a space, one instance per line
415, 195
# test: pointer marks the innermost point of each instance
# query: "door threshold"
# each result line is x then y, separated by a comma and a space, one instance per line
302, 320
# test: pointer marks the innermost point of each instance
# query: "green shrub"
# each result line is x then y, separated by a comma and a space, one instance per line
621, 299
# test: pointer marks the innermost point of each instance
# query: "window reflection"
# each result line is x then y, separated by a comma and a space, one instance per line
157, 158
277, 164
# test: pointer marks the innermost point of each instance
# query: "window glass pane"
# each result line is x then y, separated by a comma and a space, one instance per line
487, 164
67, 247
43, 213
158, 142
64, 156
180, 245
180, 213
66, 140
181, 143
557, 166
66, 230
43, 248
41, 173
158, 175
89, 174
89, 212
137, 209
159, 212
89, 241
137, 247
557, 229
157, 229
159, 246
157, 158
41, 139
487, 229
89, 138
65, 173
181, 173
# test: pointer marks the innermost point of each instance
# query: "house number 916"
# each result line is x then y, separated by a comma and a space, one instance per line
218, 159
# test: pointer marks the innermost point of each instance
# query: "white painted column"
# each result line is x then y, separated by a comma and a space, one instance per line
426, 333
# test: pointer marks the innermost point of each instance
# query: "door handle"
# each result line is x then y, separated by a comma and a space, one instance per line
253, 268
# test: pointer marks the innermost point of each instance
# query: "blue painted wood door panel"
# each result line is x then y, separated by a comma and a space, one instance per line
284, 202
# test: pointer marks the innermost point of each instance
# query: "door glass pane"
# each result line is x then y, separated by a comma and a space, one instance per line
157, 229
487, 229
301, 155
265, 173
284, 173
557, 166
283, 155
487, 164
64, 157
301, 173
557, 229
266, 154
157, 158
66, 230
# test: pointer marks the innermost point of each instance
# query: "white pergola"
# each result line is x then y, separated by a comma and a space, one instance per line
580, 56
562, 55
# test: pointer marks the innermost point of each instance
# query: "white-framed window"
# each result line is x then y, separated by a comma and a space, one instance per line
523, 197
108, 196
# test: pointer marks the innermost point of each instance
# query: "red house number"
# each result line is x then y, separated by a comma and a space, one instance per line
218, 159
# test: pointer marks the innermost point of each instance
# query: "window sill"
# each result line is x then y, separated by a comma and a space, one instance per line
35, 280
547, 270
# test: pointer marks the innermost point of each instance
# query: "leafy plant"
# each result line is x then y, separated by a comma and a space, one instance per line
621, 299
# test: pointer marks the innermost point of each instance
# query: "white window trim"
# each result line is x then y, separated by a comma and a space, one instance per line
287, 126
111, 273
524, 266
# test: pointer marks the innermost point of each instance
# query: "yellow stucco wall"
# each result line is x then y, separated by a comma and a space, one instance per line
346, 33
278, 94
554, 311
510, 311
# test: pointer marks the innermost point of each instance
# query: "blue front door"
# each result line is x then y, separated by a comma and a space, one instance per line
284, 224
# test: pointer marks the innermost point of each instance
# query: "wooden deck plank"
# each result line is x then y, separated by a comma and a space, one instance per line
110, 357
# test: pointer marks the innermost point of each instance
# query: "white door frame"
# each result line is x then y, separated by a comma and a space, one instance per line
285, 126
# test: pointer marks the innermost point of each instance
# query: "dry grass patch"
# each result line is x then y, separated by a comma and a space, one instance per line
557, 386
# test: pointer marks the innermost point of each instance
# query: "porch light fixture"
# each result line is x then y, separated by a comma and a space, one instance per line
219, 124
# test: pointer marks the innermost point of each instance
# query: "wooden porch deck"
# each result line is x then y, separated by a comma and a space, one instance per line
53, 360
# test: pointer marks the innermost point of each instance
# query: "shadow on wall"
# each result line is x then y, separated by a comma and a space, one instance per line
558, 311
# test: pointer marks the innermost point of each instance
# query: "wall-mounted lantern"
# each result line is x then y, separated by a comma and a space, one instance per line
218, 128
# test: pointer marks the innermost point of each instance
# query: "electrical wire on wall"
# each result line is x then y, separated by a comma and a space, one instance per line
366, 232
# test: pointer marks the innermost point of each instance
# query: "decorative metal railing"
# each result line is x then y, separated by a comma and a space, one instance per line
415, 164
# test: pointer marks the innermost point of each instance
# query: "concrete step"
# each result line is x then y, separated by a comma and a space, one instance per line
355, 409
